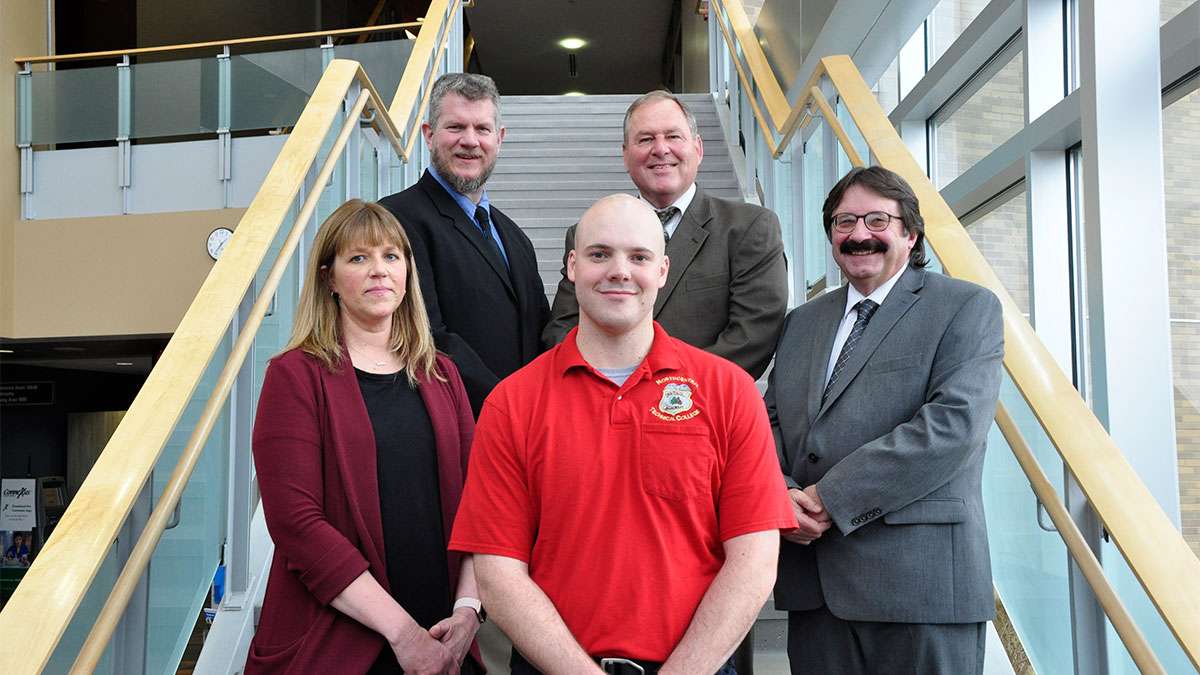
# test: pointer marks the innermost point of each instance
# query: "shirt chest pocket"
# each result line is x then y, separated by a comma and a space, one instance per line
676, 461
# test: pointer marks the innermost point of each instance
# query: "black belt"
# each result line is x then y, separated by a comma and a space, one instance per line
614, 665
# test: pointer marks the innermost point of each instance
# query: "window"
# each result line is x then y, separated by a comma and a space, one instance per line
975, 123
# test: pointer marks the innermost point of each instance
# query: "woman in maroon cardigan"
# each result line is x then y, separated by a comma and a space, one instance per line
361, 445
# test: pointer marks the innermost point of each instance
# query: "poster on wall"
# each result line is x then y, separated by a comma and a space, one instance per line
17, 549
17, 510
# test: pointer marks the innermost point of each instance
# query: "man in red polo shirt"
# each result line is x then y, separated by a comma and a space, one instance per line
623, 500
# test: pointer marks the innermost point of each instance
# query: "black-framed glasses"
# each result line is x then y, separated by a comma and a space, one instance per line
876, 221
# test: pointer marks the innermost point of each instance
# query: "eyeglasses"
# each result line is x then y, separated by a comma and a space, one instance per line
876, 221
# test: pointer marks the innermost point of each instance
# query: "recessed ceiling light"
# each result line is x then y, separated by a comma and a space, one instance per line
572, 43
6, 351
574, 93
124, 363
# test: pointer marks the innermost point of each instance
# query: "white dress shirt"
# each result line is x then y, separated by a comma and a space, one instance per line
684, 201
850, 315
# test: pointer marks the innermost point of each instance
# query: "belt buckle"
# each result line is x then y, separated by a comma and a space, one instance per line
620, 663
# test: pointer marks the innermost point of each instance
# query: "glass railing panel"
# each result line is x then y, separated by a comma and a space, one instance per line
181, 569
270, 89
57, 115
815, 243
368, 168
1162, 642
383, 62
1029, 564
85, 616
174, 98
965, 133
856, 140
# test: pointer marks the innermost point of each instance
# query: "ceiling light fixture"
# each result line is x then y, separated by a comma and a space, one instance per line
572, 43
6, 351
124, 363
574, 93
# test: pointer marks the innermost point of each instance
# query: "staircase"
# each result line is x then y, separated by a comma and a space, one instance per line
562, 153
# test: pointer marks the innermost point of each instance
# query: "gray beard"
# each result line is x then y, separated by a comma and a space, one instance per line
461, 185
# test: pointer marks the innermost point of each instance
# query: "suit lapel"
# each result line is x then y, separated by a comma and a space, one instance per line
824, 331
901, 298
684, 245
453, 212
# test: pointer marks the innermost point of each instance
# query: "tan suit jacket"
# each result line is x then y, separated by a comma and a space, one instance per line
726, 291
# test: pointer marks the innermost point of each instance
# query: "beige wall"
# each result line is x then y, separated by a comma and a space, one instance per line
116, 275
22, 33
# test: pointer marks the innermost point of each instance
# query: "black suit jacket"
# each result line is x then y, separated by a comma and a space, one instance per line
487, 318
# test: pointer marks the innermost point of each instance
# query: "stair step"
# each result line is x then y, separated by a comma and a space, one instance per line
609, 168
595, 98
585, 117
595, 153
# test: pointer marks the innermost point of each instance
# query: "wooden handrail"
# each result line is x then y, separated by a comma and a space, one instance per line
285, 37
417, 81
1155, 550
43, 606
45, 602
102, 630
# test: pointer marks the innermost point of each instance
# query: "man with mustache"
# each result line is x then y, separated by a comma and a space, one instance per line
881, 399
622, 502
728, 289
478, 270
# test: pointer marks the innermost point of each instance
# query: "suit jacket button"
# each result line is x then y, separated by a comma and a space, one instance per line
813, 458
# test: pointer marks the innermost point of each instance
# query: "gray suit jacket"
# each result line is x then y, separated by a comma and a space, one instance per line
896, 452
726, 291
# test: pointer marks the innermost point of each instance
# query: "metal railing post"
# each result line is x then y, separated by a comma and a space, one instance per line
25, 137
352, 161
224, 122
241, 467
124, 124
454, 54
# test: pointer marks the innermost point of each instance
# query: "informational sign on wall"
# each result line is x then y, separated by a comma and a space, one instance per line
26, 393
17, 510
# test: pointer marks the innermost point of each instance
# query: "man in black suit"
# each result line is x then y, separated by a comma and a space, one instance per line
478, 270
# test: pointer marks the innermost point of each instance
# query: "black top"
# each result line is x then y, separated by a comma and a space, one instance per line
409, 501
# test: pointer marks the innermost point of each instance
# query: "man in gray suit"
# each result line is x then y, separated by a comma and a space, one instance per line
727, 288
881, 399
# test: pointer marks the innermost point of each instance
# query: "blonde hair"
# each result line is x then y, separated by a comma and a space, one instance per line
317, 329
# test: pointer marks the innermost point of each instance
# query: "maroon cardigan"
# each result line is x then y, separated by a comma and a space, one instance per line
314, 449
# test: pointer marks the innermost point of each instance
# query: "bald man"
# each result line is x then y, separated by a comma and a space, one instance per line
623, 501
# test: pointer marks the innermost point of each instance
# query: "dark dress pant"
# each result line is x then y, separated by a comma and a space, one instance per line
819, 643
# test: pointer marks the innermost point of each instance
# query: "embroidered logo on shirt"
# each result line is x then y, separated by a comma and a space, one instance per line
676, 403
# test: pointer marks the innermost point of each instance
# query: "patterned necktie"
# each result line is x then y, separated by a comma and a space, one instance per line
485, 225
865, 308
664, 217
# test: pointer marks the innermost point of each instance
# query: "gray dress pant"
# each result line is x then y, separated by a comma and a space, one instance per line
819, 643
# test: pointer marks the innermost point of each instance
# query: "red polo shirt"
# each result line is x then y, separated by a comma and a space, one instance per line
619, 499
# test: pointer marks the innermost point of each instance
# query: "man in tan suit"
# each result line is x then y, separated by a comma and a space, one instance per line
727, 288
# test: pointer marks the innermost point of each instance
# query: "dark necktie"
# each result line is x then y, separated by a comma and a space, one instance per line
664, 216
865, 308
485, 226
